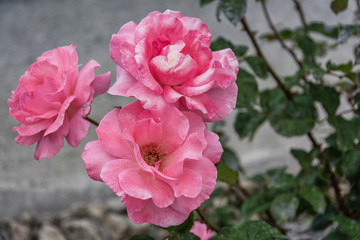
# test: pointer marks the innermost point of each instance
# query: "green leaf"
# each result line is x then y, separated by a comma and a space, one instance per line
247, 89
258, 65
204, 2
327, 96
282, 181
339, 5
253, 205
351, 164
234, 10
227, 175
187, 236
304, 158
221, 43
230, 159
288, 118
344, 132
345, 67
314, 196
285, 34
336, 235
326, 30
142, 237
283, 208
348, 226
248, 122
294, 80
307, 46
182, 228
251, 230
321, 221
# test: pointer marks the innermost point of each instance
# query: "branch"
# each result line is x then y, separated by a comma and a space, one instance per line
301, 14
260, 54
277, 35
92, 121
207, 220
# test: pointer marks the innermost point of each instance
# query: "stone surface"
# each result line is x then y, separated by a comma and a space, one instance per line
19, 231
50, 232
30, 27
116, 225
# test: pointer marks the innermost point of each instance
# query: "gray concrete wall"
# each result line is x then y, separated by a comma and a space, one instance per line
30, 27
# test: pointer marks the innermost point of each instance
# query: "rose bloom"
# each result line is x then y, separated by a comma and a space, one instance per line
201, 230
53, 98
167, 57
159, 161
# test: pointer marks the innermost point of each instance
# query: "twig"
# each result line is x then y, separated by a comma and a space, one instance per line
303, 22
92, 121
260, 53
277, 35
207, 220
301, 14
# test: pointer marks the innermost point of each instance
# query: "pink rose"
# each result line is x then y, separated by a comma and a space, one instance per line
159, 161
166, 58
52, 100
201, 230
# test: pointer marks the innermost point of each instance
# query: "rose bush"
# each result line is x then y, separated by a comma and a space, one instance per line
159, 161
167, 58
53, 98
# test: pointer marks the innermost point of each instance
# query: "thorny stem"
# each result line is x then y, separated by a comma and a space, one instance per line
207, 220
277, 35
92, 121
260, 53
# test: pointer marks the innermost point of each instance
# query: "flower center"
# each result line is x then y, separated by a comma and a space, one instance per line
153, 153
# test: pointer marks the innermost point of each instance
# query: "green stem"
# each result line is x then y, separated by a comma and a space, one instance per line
207, 220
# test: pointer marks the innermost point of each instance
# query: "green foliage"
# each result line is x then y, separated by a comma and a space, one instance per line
182, 228
322, 28
233, 10
307, 46
326, 189
227, 175
248, 122
326, 95
258, 65
251, 230
230, 160
314, 196
284, 207
344, 132
255, 204
339, 5
247, 89
221, 43
288, 118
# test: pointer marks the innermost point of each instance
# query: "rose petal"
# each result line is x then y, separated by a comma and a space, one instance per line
110, 173
139, 184
95, 158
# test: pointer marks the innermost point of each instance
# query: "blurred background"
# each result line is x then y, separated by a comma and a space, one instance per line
30, 27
